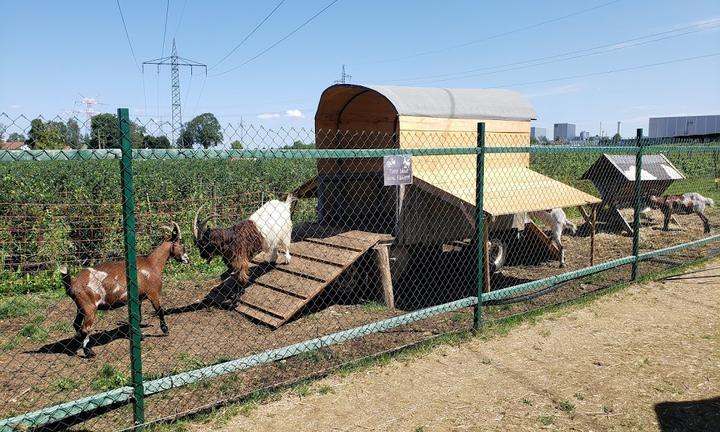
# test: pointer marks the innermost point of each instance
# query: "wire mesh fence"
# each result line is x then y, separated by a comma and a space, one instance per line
275, 255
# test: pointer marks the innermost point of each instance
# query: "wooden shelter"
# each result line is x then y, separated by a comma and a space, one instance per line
438, 206
614, 178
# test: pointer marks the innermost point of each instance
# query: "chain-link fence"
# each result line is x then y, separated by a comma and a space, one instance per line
275, 255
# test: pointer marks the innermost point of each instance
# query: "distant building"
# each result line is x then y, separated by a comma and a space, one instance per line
13, 145
564, 131
584, 135
538, 132
685, 126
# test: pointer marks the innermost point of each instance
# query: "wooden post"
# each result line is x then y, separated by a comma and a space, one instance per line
593, 219
213, 200
486, 258
382, 262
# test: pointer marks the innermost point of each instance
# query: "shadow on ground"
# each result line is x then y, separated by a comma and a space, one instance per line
689, 416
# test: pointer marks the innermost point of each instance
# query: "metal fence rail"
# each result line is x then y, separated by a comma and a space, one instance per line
375, 264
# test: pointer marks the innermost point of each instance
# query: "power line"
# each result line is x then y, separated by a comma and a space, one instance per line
282, 39
182, 14
487, 38
127, 35
167, 9
540, 61
197, 103
611, 71
249, 34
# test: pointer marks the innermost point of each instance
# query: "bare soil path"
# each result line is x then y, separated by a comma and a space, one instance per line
643, 359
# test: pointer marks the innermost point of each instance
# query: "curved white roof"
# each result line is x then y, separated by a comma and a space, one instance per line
465, 103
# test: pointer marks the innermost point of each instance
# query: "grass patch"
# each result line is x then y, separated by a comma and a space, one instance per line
458, 317
325, 389
303, 389
34, 330
566, 407
546, 420
16, 306
109, 378
374, 307
65, 384
188, 361
315, 356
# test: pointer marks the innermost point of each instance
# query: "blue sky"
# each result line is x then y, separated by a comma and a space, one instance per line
55, 51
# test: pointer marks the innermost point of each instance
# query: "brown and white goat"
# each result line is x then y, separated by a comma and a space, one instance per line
691, 202
105, 285
268, 230
557, 221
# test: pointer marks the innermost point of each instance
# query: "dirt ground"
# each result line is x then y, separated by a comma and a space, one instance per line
40, 371
643, 359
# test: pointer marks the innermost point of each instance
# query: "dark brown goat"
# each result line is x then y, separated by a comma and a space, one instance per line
268, 229
105, 285
682, 204
236, 245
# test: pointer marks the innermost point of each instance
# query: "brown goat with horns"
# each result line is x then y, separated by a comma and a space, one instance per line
105, 285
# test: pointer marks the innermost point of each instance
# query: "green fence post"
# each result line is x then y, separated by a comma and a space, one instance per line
479, 223
638, 205
128, 203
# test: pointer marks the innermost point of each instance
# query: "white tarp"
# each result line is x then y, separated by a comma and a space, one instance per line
457, 103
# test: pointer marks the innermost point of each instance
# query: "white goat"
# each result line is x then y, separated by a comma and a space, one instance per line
558, 222
274, 221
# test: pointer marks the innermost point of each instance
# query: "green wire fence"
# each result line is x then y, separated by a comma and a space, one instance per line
340, 208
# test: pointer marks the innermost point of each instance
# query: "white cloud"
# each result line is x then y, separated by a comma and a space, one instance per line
264, 116
15, 106
294, 113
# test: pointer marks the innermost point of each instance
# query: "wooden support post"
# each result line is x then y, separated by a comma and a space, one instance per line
486, 258
382, 262
593, 219
213, 200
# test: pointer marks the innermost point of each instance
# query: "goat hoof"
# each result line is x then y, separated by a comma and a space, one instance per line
89, 353
164, 329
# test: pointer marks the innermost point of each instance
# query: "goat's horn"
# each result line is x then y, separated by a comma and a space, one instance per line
165, 227
177, 228
196, 230
206, 220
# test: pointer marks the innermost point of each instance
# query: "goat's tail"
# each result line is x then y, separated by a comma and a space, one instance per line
66, 280
710, 202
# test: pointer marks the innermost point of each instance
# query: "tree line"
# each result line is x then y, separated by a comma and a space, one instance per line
202, 131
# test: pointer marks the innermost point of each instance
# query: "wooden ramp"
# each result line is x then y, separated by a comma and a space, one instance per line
283, 290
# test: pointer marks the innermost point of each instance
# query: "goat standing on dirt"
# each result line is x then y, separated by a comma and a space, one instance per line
558, 222
691, 202
105, 285
268, 230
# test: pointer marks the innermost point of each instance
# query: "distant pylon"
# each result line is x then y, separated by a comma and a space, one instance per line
175, 61
175, 85
344, 77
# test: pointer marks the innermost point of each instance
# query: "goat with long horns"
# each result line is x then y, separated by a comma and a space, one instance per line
268, 229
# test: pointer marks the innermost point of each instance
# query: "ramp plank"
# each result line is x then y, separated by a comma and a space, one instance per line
323, 253
279, 293
275, 302
290, 283
261, 316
